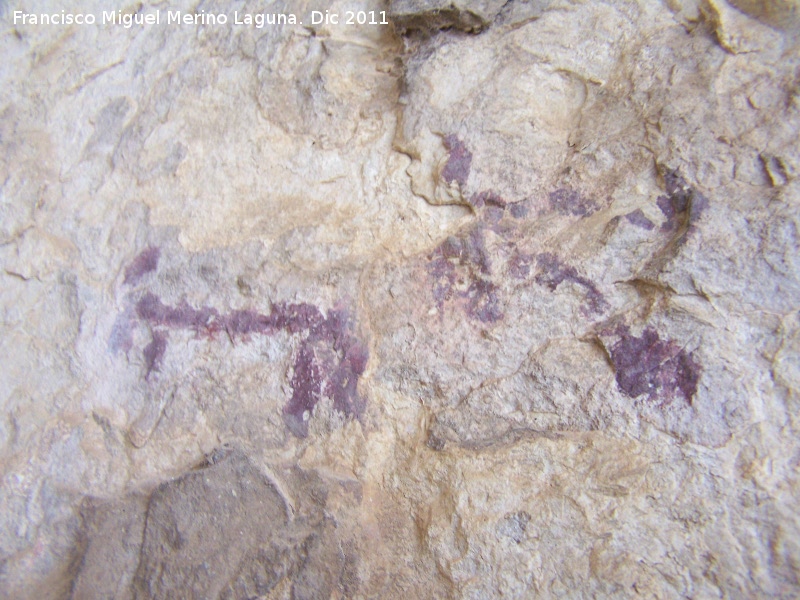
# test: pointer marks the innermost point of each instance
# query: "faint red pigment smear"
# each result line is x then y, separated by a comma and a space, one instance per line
554, 272
144, 263
569, 202
465, 257
459, 162
154, 352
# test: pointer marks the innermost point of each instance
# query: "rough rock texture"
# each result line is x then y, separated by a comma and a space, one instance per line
499, 300
429, 16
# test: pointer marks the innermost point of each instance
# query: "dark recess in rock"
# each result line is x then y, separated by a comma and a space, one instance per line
202, 527
112, 538
659, 369
220, 530
429, 16
682, 206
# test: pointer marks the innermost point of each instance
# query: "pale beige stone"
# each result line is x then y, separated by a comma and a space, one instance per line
784, 14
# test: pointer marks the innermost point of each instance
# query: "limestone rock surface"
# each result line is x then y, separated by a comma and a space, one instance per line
432, 15
498, 299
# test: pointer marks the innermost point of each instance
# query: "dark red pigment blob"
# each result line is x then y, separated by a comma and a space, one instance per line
293, 318
482, 302
144, 263
154, 352
151, 309
567, 201
657, 368
300, 317
330, 360
554, 272
245, 322
462, 259
459, 162
638, 218
306, 391
342, 383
